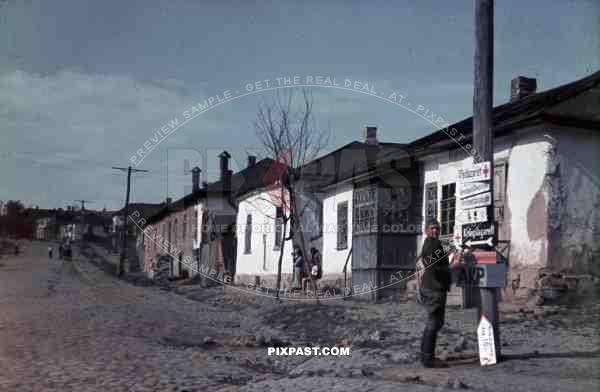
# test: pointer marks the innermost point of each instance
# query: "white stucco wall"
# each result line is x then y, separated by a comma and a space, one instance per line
264, 257
526, 154
576, 218
333, 258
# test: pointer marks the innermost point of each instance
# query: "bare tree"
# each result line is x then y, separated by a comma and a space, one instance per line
286, 127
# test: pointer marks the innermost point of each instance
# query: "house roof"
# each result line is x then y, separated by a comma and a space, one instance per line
352, 160
145, 210
165, 209
519, 112
262, 173
244, 181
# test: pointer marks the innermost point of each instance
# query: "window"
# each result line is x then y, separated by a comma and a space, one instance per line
448, 206
184, 230
365, 210
248, 235
168, 245
278, 227
175, 231
194, 224
431, 202
342, 225
499, 189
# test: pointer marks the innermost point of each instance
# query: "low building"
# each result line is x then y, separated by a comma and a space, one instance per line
375, 198
546, 184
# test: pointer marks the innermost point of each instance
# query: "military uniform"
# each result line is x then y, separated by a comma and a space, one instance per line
435, 283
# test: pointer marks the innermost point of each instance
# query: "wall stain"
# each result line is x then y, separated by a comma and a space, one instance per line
537, 215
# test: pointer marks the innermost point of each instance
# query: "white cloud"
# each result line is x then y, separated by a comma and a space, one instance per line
66, 127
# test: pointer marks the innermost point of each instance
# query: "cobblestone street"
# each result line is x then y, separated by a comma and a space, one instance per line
68, 326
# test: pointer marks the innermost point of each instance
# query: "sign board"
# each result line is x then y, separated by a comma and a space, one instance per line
473, 188
477, 172
482, 200
474, 215
485, 339
479, 234
480, 275
485, 256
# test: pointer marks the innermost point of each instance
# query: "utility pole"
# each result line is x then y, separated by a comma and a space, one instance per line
129, 170
483, 138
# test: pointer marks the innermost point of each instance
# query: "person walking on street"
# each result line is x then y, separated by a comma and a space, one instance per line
60, 251
433, 279
298, 268
49, 252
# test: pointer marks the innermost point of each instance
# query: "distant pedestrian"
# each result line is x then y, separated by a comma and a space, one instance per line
60, 251
434, 279
50, 252
298, 268
316, 265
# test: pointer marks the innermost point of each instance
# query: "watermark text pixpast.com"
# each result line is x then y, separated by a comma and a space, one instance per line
286, 351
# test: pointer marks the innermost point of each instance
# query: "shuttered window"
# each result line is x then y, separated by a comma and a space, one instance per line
431, 202
248, 235
342, 225
500, 170
448, 208
278, 227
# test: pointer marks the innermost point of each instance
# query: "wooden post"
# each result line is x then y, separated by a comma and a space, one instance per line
483, 133
125, 215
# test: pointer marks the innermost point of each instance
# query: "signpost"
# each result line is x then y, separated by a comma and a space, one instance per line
473, 188
483, 200
482, 234
475, 215
483, 144
477, 172
489, 275
485, 339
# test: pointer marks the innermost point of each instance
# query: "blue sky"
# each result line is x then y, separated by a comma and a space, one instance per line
83, 84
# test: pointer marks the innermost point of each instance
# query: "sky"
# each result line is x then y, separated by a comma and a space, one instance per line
85, 84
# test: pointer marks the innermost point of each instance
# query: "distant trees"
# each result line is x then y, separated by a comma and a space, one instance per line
16, 221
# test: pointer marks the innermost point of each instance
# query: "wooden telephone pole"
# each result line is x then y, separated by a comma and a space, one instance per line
129, 170
483, 137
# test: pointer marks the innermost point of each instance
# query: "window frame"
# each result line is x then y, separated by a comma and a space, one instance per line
278, 232
447, 225
248, 235
431, 189
342, 227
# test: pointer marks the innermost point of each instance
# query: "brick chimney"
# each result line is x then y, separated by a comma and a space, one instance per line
370, 135
227, 181
521, 87
224, 163
196, 179
251, 160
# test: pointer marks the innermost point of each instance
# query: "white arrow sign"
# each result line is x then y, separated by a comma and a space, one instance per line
489, 242
485, 339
